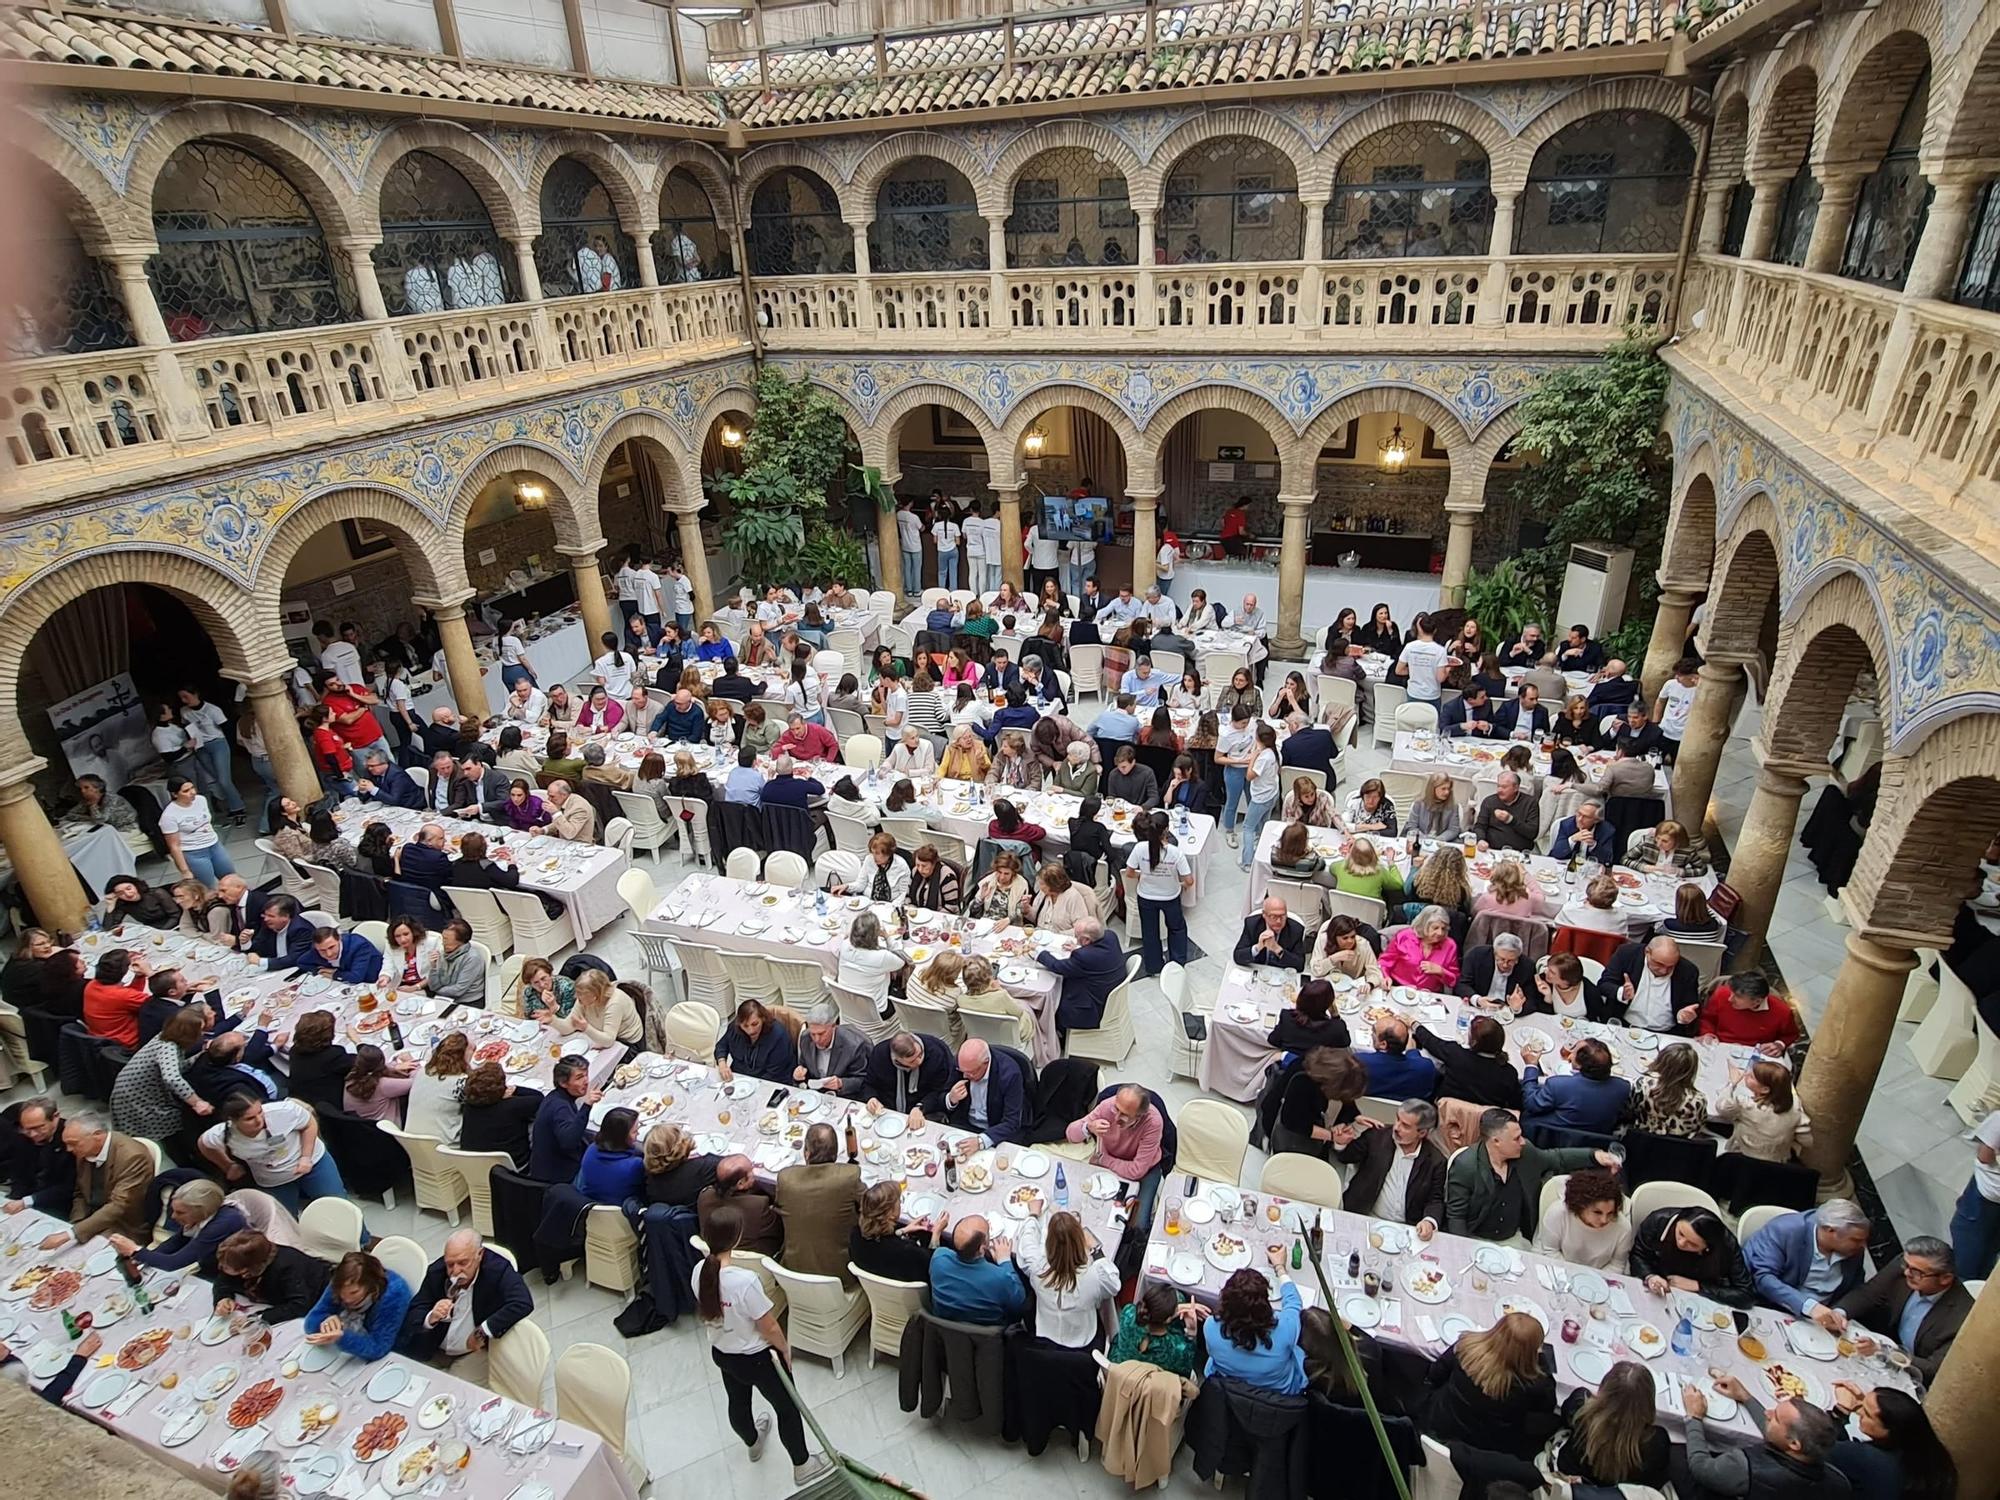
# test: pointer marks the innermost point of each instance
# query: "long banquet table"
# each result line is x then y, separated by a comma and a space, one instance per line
181, 1407
1476, 762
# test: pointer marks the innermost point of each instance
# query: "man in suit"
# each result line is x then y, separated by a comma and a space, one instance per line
1547, 680
241, 906
1000, 674
1525, 650
558, 1135
909, 1074
989, 1097
1509, 818
234, 1063
1273, 938
170, 991
1805, 1263
735, 1186
1396, 1173
1495, 971
1468, 716
444, 775
387, 783
570, 816
1640, 729
42, 1173
113, 1172
470, 1296
284, 940
1648, 984
1525, 714
832, 1057
1584, 832
1917, 1300
733, 684
423, 861
1578, 652
1309, 747
477, 789
348, 958
1612, 690
819, 1200
1628, 775
1587, 1099
1090, 974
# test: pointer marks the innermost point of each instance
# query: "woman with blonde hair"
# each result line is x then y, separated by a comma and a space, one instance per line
1669, 849
965, 758
1441, 880
1613, 1439
604, 1013
1434, 815
433, 1107
939, 983
1771, 1123
1666, 1099
882, 1245
984, 993
1364, 873
1489, 1390
694, 682
1071, 1279
1509, 893
676, 1173
1003, 895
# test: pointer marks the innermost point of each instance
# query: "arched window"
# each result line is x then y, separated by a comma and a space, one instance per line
926, 219
689, 245
1410, 190
66, 304
1979, 277
795, 227
1889, 213
1071, 209
1796, 217
1736, 217
581, 247
1612, 184
439, 248
1231, 199
240, 249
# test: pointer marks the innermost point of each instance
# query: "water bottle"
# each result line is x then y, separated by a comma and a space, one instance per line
819, 903
1062, 1189
1683, 1339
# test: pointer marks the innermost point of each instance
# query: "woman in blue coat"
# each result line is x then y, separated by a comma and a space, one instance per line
361, 1311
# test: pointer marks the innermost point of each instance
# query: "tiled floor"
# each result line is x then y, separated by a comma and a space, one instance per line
1909, 1139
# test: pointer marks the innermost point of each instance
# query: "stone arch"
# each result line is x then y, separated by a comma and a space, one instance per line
913, 145
1965, 100
261, 133
1862, 100
1415, 108
1408, 400
1781, 130
1729, 139
573, 511
1153, 436
1824, 645
733, 397
1938, 804
1044, 399
652, 431
761, 163
703, 166
1689, 557
1052, 135
1653, 95
227, 611
435, 570
1745, 581
1146, 186
638, 209
97, 212
889, 419
514, 212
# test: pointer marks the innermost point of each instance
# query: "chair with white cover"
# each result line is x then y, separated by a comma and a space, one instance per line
1705, 956
890, 1307
618, 835
786, 869
1111, 1039
1368, 909
475, 1170
319, 916
290, 879
437, 1182
1013, 1027
1438, 1477
1651, 1197
850, 835
483, 914
376, 933
1404, 788
1374, 1107
823, 1315
706, 976
1214, 1138
862, 751
760, 1266
694, 826
1329, 690
535, 931
845, 723
517, 1363
1389, 696
1292, 1174
610, 1249
857, 1009
1168, 665
330, 1227
1413, 715
1086, 665
1755, 1218
650, 831
845, 643
692, 1030
801, 982
1288, 774
926, 1018
900, 639
1184, 1058
1219, 666
1302, 899
741, 865
594, 1390
640, 895
421, 775
932, 595
503, 995
404, 1256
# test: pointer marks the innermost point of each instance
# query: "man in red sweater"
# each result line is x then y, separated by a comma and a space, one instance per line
1743, 1012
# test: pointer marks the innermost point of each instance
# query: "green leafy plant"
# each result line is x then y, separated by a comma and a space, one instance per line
867, 481
830, 552
1505, 599
794, 455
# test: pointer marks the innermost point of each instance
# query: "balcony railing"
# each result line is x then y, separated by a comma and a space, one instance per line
1905, 384
92, 415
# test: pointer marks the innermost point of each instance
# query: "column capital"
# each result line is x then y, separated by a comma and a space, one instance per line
1463, 515
1725, 665
1148, 499
859, 226
275, 684
582, 551
1680, 593
1297, 502
446, 606
1783, 778
358, 244
257, 671
1885, 952
18, 780
127, 255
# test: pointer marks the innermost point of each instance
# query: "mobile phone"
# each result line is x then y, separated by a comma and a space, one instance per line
777, 1097
1189, 1188
395, 1034
1124, 1188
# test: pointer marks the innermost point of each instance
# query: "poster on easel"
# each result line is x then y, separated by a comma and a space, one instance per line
104, 732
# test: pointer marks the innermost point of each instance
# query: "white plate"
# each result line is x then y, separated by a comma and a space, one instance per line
113, 1308
105, 1389
712, 1144
920, 1205
1015, 973
1531, 1038
387, 1383
214, 1331
183, 1427
1225, 1198
1362, 1312
1721, 1408
1526, 1305
237, 1447
1815, 1387
889, 1126
1102, 1186
315, 1357
1590, 1366
1242, 1012
389, 1476
1185, 1269
1811, 1340
1198, 1211
289, 1434
1439, 1291
1631, 1333
1395, 1238
1588, 1286
102, 1259
1031, 1164
1455, 1325
1493, 1260
312, 1471
1223, 1261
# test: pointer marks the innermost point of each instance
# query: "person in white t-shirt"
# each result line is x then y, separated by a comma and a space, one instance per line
1975, 1227
1044, 558
208, 733
648, 588
339, 655
973, 537
946, 533
189, 831
615, 668
278, 1145
1163, 563
989, 539
1676, 702
910, 541
1424, 662
683, 588
627, 581
1082, 563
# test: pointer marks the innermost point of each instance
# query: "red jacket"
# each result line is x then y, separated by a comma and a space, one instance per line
813, 742
1776, 1022
112, 1011
329, 752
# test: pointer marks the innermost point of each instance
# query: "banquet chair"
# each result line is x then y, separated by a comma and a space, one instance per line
1214, 1138
890, 1304
1588, 944
1110, 1041
640, 895
610, 1249
856, 1009
1086, 665
1374, 1107
1369, 910
290, 880
898, 638
1288, 774
535, 931
594, 1390
320, 917
845, 723
862, 751
517, 1363
801, 982
784, 868
1414, 715
1755, 1218
691, 814
1329, 690
1219, 666
329, 1228
376, 933
1309, 1179
836, 868
850, 835
931, 596
488, 922
1404, 788
1389, 696
421, 775
1302, 899
618, 834
741, 864
883, 602
475, 1170
706, 976
1651, 1197
824, 1315
764, 1269
503, 994
437, 1185
325, 888
846, 640
1184, 1059
1013, 1027
925, 1017
908, 832
404, 1256
692, 1029
1705, 956
1169, 664
1437, 1478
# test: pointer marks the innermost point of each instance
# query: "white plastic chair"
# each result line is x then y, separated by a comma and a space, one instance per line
535, 931
801, 982
438, 1185
786, 868
483, 914
692, 1030
1651, 1197
862, 751
1755, 1218
290, 880
1368, 909
475, 1170
1438, 1478
1389, 696
1184, 1056
326, 888
997, 1019
845, 723
850, 835
1329, 690
707, 977
405, 1257
1111, 1039
694, 826
1292, 1174
883, 602
650, 831
640, 895
421, 775
926, 1017
618, 835
319, 917
1086, 665
824, 1316
890, 1307
1214, 1138
1705, 956
517, 1363
330, 1227
741, 864
594, 1390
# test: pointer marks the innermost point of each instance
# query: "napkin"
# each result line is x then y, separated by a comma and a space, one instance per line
1621, 1300
1542, 1275
1156, 1259
1672, 1393
133, 1395
411, 1394
1599, 1334
1429, 1330
1392, 1314
347, 1485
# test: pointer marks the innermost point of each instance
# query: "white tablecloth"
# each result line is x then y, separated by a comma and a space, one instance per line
561, 652
1476, 764
99, 854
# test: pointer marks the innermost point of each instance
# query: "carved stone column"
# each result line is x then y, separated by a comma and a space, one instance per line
590, 599
48, 879
1458, 553
1671, 617
1837, 197
864, 293
525, 269
1149, 316
1499, 246
185, 416
1714, 217
1847, 1050
461, 662
1312, 276
1757, 859
1709, 722
694, 558
271, 702
1767, 204
1294, 541
1145, 538
1008, 486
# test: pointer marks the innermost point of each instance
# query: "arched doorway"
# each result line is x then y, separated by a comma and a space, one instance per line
439, 248
1610, 184
582, 247
796, 228
689, 245
1074, 467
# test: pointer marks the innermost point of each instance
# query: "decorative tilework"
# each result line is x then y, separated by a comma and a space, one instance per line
1945, 642
844, 152
1516, 104
348, 138
517, 148
988, 141
1144, 129
1317, 117
105, 128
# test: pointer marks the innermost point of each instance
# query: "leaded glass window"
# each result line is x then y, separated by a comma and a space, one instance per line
689, 245
1736, 218
926, 219
1979, 277
68, 305
240, 248
1894, 199
1796, 217
1612, 184
1411, 190
581, 247
1231, 199
439, 249
795, 227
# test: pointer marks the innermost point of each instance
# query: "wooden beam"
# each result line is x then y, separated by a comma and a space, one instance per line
447, 19
579, 44
279, 18
674, 41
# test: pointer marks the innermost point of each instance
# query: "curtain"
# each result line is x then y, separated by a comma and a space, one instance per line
84, 643
1098, 451
1180, 471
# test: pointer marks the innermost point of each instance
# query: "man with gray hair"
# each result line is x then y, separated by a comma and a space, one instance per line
1396, 1173
1805, 1263
570, 817
1090, 973
113, 1172
1509, 818
1160, 609
1127, 1134
387, 783
1917, 1300
470, 1296
909, 1074
1790, 1462
1495, 972
792, 784
832, 1057
1586, 833
597, 767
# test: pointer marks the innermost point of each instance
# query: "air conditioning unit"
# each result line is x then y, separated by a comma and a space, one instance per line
1594, 586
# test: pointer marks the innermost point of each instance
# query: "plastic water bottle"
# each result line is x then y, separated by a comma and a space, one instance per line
1062, 1189
1683, 1339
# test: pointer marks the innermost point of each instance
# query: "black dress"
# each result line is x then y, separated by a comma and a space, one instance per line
896, 1257
1653, 1451
681, 1185
318, 1077
1460, 1412
1294, 1034
1471, 1076
501, 1125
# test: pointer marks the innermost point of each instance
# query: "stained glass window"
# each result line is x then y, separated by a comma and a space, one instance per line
69, 304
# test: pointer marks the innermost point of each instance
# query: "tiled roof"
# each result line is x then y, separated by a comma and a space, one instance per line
1194, 46
142, 42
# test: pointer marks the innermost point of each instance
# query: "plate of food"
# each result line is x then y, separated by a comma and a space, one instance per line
647, 1106
374, 1021
312, 1473
1023, 1200
1590, 1365
24, 1285
410, 1467
1426, 1282
1626, 880
1640, 1039
1644, 1340
495, 1050
1532, 1039
378, 1435
1788, 1384
1390, 1239
137, 1353
1526, 1305
218, 1382
624, 1076
56, 1289
255, 1404
1227, 1252
1185, 1270
521, 1061
1811, 1340
307, 1420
